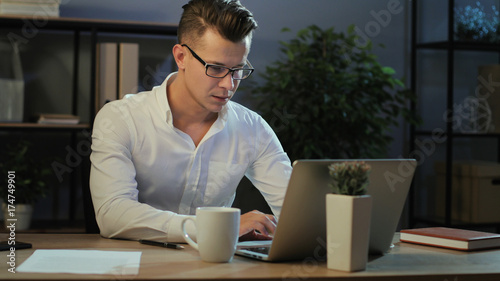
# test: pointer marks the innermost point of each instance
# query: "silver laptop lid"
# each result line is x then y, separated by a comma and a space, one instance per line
301, 231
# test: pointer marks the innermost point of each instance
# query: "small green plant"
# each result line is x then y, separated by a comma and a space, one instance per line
30, 175
473, 23
350, 177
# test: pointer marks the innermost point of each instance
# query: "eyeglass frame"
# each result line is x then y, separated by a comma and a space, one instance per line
229, 69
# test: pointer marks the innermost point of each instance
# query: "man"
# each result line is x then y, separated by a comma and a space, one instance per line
159, 155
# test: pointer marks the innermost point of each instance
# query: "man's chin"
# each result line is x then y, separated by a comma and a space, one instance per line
217, 108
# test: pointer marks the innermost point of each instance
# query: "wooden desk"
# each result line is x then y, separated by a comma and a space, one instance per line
404, 262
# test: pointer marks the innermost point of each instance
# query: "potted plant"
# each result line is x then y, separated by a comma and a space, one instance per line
26, 184
348, 216
328, 97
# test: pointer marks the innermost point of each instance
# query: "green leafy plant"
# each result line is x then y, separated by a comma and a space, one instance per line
473, 23
330, 98
30, 175
349, 178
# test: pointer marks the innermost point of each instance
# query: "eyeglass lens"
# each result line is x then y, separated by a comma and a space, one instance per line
219, 72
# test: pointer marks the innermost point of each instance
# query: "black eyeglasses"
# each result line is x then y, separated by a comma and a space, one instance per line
219, 71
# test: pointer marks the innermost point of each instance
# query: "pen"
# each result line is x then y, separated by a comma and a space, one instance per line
161, 244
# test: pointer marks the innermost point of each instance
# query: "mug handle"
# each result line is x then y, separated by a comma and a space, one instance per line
186, 236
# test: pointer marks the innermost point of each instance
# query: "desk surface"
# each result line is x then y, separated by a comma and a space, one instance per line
410, 261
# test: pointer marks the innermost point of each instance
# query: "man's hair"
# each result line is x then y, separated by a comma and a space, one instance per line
228, 17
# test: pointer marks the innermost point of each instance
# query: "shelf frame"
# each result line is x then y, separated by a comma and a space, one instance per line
450, 46
78, 26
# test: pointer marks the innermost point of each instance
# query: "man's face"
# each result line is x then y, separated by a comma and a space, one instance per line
208, 93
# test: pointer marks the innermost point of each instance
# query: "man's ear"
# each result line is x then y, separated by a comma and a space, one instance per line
179, 55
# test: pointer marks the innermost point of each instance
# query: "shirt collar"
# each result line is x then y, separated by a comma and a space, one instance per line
161, 92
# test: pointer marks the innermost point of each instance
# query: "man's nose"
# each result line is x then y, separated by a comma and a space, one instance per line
227, 82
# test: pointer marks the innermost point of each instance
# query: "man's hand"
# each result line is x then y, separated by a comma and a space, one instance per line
256, 225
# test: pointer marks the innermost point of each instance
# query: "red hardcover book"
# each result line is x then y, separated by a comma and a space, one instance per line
452, 238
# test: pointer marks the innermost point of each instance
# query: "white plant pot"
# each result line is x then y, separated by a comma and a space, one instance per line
22, 216
348, 231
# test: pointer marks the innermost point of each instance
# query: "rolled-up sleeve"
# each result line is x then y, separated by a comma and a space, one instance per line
271, 170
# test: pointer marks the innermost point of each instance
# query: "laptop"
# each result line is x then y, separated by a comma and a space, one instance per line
301, 230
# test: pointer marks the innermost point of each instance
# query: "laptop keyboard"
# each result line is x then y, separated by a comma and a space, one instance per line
262, 250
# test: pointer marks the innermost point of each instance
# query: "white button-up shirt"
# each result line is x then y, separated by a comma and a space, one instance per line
147, 175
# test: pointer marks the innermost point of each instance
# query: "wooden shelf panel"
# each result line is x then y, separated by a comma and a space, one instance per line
44, 126
467, 135
81, 24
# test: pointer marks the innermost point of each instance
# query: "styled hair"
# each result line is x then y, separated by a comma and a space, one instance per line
228, 17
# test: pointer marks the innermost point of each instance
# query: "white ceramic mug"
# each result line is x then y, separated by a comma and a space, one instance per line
217, 232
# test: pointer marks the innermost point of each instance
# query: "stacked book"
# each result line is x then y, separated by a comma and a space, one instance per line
451, 238
117, 73
66, 119
38, 8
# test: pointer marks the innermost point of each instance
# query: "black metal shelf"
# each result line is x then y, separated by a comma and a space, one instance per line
458, 45
24, 27
458, 135
449, 46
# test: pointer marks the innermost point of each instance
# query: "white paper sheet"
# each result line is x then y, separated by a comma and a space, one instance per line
82, 262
